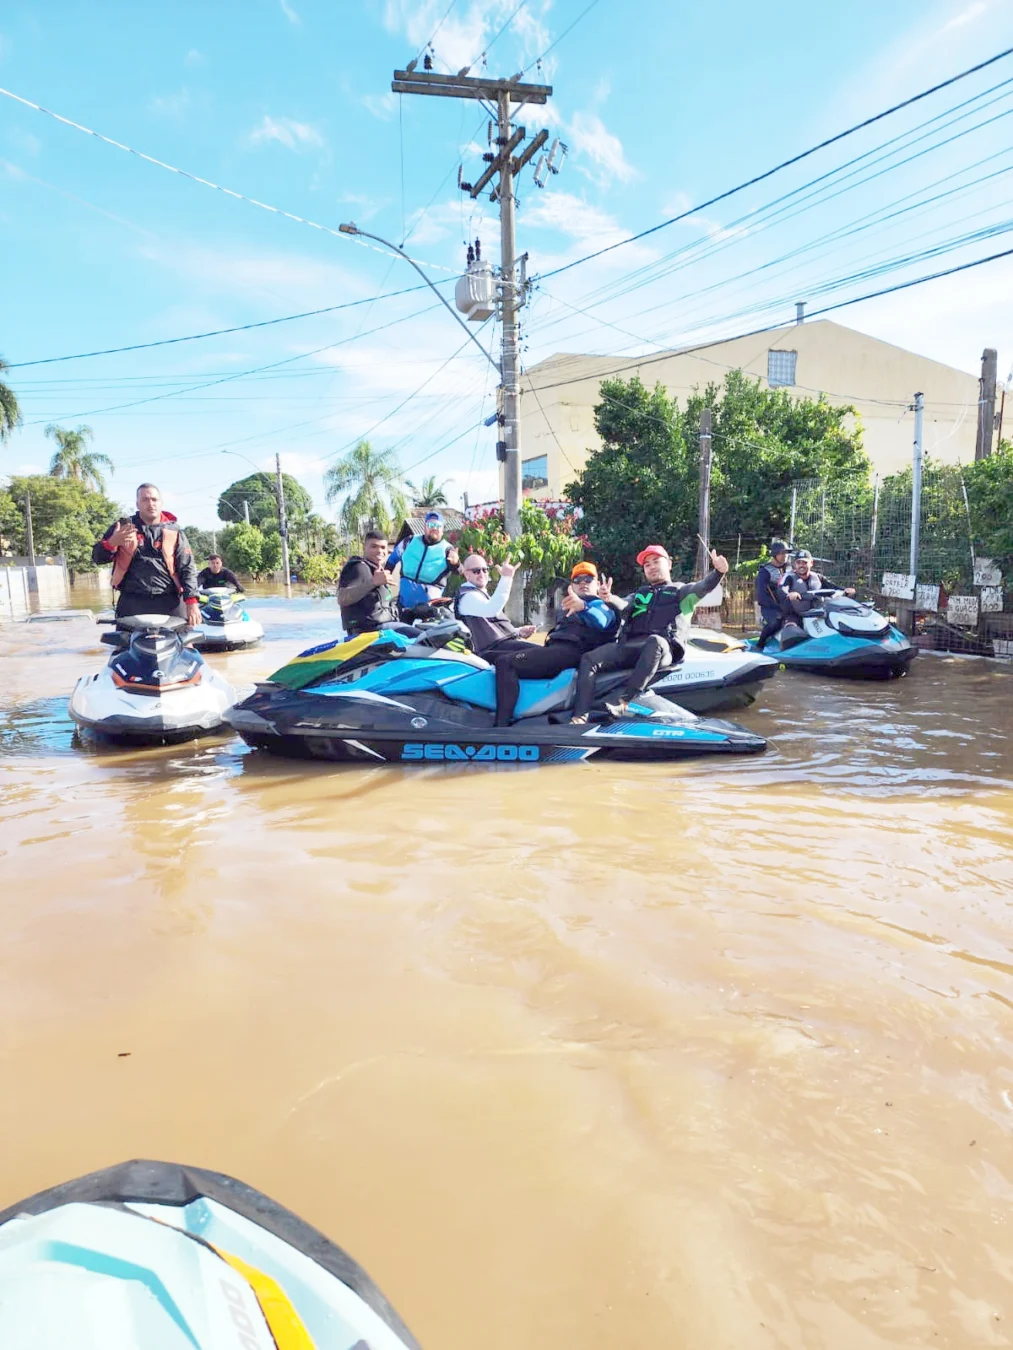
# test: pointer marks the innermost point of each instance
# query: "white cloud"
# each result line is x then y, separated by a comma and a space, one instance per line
383, 106
966, 16
294, 135
290, 13
293, 278
194, 58
574, 217
172, 105
463, 35
24, 141
591, 138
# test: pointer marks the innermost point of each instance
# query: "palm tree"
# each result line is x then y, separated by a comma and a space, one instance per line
74, 460
10, 413
370, 482
430, 493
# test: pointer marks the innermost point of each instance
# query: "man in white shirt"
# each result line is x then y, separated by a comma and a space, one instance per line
492, 633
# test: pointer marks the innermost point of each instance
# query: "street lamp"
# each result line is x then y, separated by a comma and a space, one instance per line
349, 228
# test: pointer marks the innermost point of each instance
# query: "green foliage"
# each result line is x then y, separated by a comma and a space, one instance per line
259, 489
428, 493
642, 485
547, 548
67, 517
73, 459
10, 413
242, 549
370, 483
321, 571
201, 543
989, 485
270, 553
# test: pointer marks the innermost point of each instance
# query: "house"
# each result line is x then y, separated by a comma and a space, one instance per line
807, 359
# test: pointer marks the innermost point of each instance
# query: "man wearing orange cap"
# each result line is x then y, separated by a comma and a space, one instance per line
585, 623
647, 637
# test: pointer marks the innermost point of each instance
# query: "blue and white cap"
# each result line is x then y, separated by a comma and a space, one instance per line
434, 518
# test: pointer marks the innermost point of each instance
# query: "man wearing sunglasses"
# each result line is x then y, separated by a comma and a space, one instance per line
647, 637
492, 633
586, 622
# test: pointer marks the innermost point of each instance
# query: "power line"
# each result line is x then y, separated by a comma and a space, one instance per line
787, 163
196, 178
539, 59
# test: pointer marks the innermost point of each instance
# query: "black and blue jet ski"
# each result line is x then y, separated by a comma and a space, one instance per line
416, 696
844, 637
225, 624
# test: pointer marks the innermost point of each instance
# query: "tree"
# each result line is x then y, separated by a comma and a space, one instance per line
201, 541
547, 548
370, 482
259, 490
67, 517
74, 460
429, 492
10, 413
641, 486
242, 548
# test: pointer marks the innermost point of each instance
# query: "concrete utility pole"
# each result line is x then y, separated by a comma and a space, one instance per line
704, 519
916, 485
29, 533
246, 510
986, 404
283, 527
507, 163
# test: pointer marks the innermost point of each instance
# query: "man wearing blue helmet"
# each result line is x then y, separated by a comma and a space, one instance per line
426, 561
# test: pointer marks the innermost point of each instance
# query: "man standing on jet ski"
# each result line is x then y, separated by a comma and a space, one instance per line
647, 637
770, 594
217, 574
426, 561
364, 590
153, 567
586, 620
802, 581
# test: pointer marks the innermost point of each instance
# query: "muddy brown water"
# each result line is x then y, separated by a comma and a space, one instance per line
604, 1055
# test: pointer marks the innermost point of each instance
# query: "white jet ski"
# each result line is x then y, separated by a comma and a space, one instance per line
225, 624
155, 689
717, 671
154, 1256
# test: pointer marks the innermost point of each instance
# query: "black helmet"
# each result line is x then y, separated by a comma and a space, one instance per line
803, 555
777, 546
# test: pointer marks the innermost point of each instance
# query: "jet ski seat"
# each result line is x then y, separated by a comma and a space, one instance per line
791, 635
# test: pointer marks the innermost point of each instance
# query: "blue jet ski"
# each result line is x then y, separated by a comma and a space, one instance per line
841, 636
154, 1256
416, 696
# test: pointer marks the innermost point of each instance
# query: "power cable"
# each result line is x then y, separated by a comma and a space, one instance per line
539, 59
787, 163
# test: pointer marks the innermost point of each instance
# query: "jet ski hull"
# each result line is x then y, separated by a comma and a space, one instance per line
848, 658
152, 1254
230, 637
365, 728
119, 717
716, 672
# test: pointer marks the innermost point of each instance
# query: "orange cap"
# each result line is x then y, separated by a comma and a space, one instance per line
584, 569
651, 551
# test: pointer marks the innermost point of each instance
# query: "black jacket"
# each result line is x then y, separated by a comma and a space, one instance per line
375, 608
768, 586
147, 573
655, 608
206, 578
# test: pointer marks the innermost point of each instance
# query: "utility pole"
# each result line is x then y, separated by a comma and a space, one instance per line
246, 509
916, 485
986, 404
282, 527
704, 518
505, 161
29, 534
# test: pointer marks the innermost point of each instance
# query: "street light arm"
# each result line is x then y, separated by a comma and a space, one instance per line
364, 234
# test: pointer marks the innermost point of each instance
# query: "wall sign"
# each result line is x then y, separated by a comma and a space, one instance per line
963, 610
986, 572
898, 585
927, 597
991, 599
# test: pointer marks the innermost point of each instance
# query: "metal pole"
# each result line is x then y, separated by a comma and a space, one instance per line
29, 534
916, 485
874, 531
214, 541
986, 404
283, 527
794, 506
246, 509
704, 512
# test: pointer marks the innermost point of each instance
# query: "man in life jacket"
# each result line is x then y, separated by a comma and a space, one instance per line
647, 640
217, 574
585, 623
364, 588
802, 581
770, 595
153, 567
493, 636
426, 559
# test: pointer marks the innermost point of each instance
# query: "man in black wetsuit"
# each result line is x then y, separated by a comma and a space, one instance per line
217, 574
770, 596
364, 588
153, 568
648, 628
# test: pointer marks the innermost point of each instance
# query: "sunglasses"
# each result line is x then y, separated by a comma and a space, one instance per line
476, 569
583, 578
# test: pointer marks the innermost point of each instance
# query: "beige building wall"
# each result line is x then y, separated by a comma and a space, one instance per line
849, 367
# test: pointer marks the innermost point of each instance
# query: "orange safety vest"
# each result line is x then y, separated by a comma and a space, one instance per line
124, 556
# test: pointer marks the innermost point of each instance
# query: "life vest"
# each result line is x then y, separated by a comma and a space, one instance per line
485, 633
768, 580
423, 566
124, 556
372, 610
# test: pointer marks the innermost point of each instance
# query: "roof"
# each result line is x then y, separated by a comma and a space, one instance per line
415, 521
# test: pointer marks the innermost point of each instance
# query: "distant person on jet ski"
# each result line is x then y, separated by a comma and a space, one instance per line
153, 567
647, 637
426, 559
770, 595
802, 581
364, 588
585, 622
493, 636
217, 574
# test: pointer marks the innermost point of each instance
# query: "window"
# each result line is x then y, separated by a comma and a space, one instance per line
535, 473
781, 368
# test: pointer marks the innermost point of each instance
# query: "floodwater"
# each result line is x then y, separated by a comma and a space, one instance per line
604, 1055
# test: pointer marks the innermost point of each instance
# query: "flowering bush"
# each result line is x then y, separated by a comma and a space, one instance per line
547, 549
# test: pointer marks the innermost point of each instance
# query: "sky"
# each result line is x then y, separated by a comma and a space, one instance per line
662, 104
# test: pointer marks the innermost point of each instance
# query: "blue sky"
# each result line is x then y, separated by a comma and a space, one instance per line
662, 105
